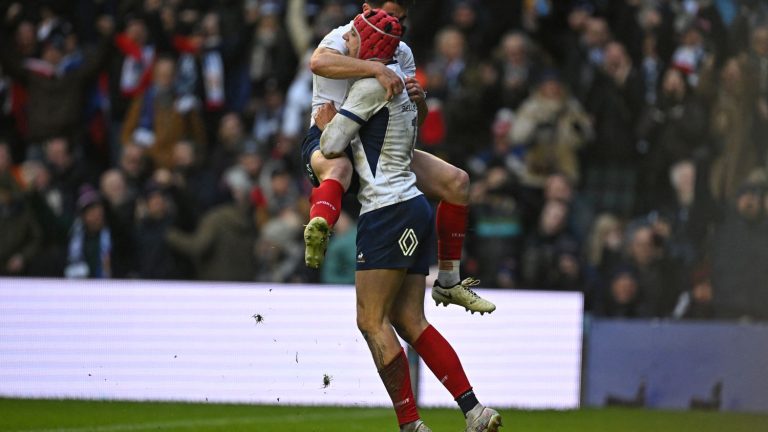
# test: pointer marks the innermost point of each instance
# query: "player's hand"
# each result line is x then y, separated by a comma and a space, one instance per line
324, 115
415, 92
389, 80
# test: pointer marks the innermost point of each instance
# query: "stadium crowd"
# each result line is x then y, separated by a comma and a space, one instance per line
618, 148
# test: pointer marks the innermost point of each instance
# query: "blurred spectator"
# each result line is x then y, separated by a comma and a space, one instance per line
739, 255
280, 189
156, 260
56, 93
551, 258
731, 124
280, 249
496, 228
464, 17
268, 119
614, 100
689, 56
119, 211
47, 208
271, 56
232, 140
20, 235
193, 185
553, 126
67, 174
690, 214
516, 69
135, 167
340, 258
501, 151
675, 129
696, 302
659, 279
90, 253
445, 71
222, 246
757, 67
602, 255
584, 59
117, 197
559, 187
604, 248
157, 119
621, 299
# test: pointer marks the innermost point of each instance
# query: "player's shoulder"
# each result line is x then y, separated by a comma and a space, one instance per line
368, 86
404, 56
335, 38
404, 49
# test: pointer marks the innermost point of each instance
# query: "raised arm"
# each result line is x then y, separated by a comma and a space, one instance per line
329, 63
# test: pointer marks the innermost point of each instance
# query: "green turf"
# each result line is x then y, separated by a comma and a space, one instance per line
87, 416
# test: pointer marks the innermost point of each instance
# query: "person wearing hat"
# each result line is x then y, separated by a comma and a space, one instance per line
90, 240
332, 177
394, 230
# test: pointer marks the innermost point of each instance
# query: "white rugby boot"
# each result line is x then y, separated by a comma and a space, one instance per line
462, 294
482, 419
417, 426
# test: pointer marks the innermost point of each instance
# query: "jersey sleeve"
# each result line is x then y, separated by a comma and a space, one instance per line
366, 97
405, 58
335, 39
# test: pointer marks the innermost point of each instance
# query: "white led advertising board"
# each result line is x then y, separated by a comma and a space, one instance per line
267, 344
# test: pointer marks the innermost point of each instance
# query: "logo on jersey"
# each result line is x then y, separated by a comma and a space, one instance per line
408, 242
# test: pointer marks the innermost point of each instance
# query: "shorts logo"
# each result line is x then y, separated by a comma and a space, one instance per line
408, 242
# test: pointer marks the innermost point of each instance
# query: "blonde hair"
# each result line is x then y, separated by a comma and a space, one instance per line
600, 229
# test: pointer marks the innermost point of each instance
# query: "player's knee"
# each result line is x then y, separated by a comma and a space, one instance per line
407, 325
458, 187
367, 325
339, 169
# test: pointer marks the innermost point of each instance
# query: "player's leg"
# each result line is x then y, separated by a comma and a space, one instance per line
407, 316
331, 178
376, 291
440, 180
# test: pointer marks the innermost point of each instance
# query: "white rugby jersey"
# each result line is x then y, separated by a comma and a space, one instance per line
382, 135
333, 90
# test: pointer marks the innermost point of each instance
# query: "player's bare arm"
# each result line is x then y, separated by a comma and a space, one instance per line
330, 63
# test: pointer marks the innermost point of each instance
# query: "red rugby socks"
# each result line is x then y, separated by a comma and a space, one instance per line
397, 379
326, 201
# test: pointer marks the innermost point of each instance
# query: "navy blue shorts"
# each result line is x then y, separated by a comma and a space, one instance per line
396, 236
311, 143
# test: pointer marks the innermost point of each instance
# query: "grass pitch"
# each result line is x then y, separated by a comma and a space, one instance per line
92, 416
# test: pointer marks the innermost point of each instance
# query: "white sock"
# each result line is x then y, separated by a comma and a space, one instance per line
448, 273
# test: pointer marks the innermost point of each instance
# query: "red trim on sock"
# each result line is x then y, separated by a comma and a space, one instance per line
326, 201
443, 361
396, 377
451, 222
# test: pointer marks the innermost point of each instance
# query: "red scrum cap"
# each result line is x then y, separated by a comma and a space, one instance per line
379, 35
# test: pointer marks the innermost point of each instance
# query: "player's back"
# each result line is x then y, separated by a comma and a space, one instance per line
384, 147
